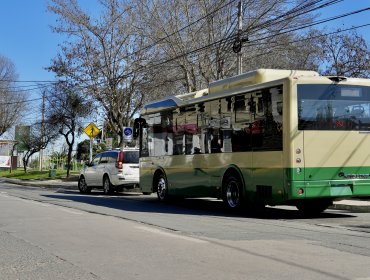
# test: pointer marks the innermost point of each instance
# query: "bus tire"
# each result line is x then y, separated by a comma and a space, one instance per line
82, 186
107, 186
161, 187
232, 192
312, 207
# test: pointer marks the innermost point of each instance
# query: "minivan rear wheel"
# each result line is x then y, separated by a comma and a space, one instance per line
107, 186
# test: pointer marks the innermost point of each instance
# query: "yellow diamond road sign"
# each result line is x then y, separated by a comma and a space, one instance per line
91, 130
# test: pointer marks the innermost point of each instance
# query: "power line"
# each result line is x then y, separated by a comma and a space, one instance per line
179, 30
231, 38
288, 30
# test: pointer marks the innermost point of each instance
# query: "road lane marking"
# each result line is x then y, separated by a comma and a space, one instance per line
43, 204
168, 234
3, 194
67, 210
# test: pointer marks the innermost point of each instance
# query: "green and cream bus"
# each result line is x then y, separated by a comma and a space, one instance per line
266, 137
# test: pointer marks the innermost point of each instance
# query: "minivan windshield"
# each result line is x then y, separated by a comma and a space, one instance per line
333, 107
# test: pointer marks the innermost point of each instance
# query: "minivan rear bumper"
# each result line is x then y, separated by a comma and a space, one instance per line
121, 179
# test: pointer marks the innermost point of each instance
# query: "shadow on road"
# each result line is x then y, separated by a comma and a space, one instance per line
189, 206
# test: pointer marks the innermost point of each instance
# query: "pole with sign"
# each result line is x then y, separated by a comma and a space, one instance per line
127, 134
92, 131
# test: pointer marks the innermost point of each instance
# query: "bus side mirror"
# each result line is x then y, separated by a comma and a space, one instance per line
139, 123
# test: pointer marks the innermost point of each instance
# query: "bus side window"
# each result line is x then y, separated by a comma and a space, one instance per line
167, 124
243, 112
144, 151
267, 133
216, 141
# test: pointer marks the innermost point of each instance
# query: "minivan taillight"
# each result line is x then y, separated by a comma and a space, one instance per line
119, 161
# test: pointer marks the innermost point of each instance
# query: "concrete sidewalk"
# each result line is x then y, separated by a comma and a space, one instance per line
54, 183
357, 205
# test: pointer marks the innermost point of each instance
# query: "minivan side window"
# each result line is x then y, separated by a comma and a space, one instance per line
112, 157
96, 160
104, 158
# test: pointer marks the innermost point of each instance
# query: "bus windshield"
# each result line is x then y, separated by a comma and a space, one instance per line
333, 107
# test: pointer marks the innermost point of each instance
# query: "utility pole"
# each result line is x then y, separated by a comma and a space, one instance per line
240, 28
41, 153
237, 46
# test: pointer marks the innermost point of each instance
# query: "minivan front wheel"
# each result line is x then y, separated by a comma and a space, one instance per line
82, 186
107, 186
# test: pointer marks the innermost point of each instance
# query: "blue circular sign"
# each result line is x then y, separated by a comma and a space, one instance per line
127, 131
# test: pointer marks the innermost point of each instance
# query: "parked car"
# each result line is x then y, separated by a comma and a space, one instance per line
111, 171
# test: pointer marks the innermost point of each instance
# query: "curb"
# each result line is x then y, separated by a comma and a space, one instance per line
40, 184
351, 208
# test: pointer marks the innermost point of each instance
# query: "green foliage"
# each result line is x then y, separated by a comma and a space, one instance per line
32, 174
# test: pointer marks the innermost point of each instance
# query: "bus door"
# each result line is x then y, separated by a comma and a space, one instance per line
187, 170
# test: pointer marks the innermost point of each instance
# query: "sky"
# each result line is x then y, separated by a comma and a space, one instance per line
28, 41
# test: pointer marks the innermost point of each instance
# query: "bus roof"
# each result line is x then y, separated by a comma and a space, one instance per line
233, 83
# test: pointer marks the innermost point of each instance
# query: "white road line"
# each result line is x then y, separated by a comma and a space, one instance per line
43, 204
67, 210
168, 234
3, 194
36, 202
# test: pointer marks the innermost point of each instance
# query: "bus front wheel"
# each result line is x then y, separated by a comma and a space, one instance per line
162, 188
232, 192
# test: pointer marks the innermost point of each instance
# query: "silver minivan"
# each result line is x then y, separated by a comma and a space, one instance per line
111, 171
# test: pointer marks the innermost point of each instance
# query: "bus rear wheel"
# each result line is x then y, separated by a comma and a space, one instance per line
232, 192
311, 207
161, 187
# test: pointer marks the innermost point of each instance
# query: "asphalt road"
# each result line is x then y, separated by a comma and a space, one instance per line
61, 234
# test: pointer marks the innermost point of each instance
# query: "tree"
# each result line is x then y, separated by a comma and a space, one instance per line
194, 39
34, 140
12, 102
99, 57
83, 150
346, 54
66, 108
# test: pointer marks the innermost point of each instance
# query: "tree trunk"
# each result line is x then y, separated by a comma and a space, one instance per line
69, 159
25, 161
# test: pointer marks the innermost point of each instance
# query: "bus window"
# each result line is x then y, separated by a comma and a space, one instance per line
191, 130
266, 129
333, 107
240, 138
178, 134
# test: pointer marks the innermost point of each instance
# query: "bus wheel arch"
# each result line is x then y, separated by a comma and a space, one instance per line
233, 188
160, 185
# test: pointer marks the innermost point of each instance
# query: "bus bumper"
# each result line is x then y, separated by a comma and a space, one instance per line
328, 189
